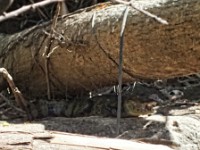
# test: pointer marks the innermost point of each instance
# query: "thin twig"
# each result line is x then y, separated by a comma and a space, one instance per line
124, 133
48, 52
162, 21
125, 15
26, 8
93, 21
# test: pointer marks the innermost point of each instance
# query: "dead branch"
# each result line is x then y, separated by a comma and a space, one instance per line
26, 8
130, 3
17, 94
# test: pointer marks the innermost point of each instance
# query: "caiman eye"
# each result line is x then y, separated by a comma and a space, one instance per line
148, 106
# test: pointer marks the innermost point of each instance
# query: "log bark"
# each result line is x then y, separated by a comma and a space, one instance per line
82, 58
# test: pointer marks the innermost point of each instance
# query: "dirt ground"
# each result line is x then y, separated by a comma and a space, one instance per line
130, 128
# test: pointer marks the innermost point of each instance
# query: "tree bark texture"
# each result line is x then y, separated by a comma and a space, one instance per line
82, 58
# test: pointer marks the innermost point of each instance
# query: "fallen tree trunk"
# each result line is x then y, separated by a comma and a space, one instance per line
78, 57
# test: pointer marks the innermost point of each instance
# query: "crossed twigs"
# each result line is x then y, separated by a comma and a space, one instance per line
16, 92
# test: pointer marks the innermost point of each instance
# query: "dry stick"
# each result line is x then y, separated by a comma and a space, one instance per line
119, 103
17, 94
47, 51
26, 8
47, 75
63, 8
162, 21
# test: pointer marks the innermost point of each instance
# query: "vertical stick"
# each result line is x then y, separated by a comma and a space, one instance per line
119, 104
